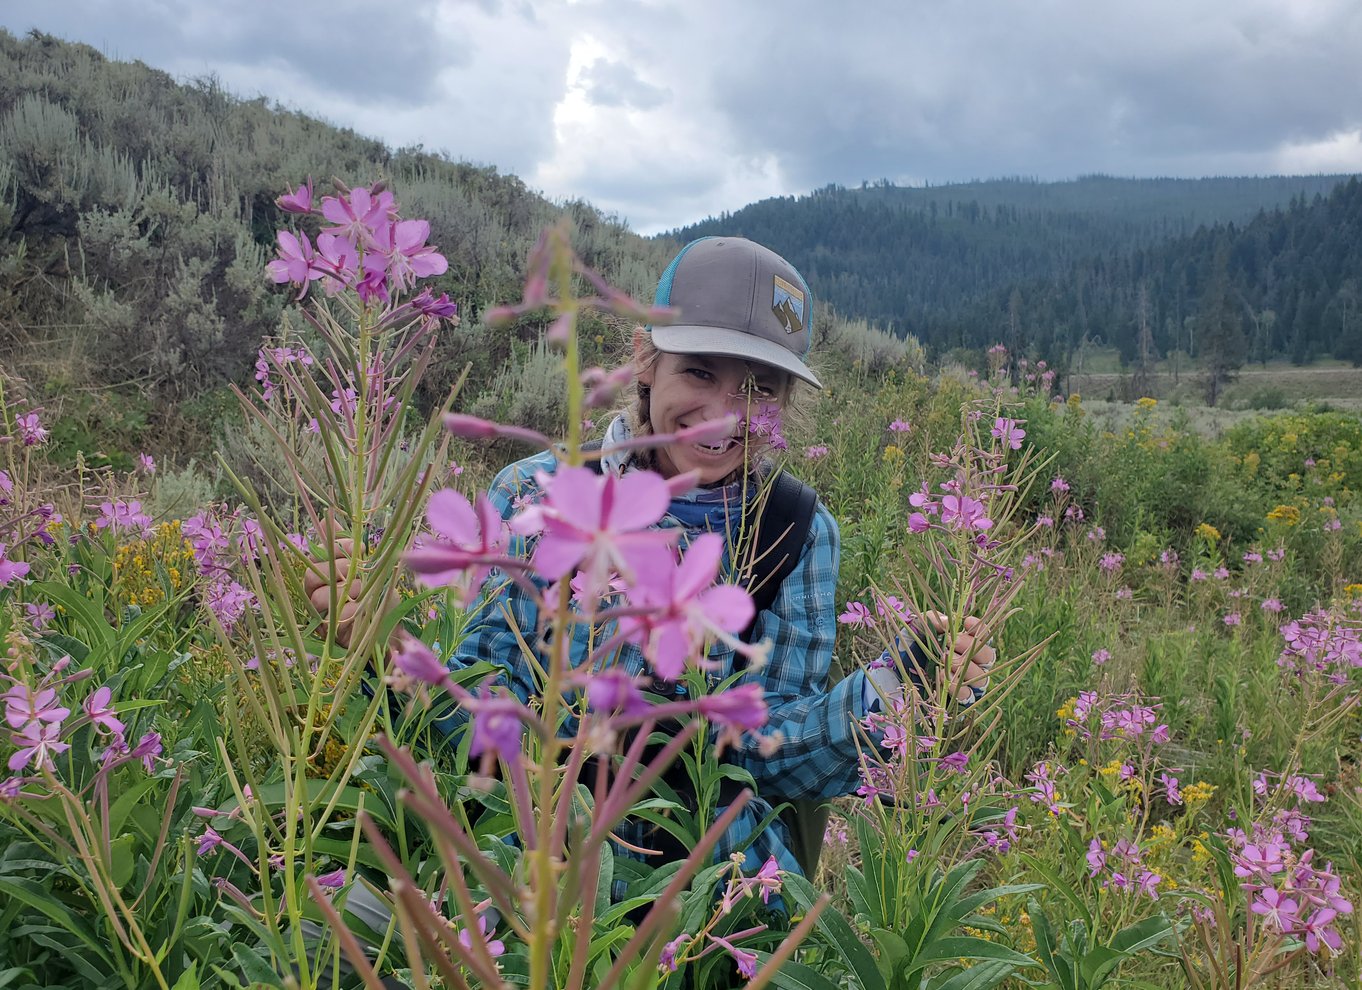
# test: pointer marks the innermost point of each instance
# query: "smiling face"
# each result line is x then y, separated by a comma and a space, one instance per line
686, 390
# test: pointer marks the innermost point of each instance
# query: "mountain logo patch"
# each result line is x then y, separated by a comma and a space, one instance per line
787, 302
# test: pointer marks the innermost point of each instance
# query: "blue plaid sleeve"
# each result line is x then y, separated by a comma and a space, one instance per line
505, 608
816, 755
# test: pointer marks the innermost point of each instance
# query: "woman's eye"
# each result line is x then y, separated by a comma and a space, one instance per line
699, 373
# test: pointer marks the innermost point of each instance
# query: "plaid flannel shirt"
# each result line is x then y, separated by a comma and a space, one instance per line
816, 756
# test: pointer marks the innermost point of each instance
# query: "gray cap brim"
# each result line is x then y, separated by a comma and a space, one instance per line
731, 343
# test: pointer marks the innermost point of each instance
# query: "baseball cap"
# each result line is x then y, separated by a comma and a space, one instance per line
737, 299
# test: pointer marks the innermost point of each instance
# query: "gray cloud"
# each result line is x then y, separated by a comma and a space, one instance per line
614, 84
665, 110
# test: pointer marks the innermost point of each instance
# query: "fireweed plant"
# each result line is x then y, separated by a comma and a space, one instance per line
934, 810
520, 890
95, 618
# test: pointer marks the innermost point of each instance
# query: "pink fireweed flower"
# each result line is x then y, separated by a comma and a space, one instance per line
614, 690
900, 426
1111, 562
1097, 534
39, 613
468, 540
120, 514
1198, 574
294, 264
1101, 656
1148, 883
963, 512
740, 709
891, 605
11, 570
1278, 910
418, 662
1097, 859
31, 430
1009, 431
101, 712
1319, 932
146, 463
358, 215
816, 452
954, 762
228, 601
1220, 573
403, 245
299, 201
147, 749
856, 614
918, 523
497, 724
1059, 485
766, 423
1232, 619
1271, 605
595, 522
37, 742
666, 962
1171, 789
334, 880
683, 607
746, 961
209, 841
1253, 557
24, 706
336, 260
495, 947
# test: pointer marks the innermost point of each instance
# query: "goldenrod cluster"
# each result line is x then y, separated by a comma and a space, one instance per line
1208, 533
148, 571
1288, 514
1196, 795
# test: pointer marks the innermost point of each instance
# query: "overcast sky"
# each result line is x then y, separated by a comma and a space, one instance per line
665, 111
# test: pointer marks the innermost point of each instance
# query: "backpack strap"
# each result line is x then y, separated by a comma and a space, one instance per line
781, 530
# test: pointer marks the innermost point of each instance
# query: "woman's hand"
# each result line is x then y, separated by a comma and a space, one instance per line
970, 658
328, 581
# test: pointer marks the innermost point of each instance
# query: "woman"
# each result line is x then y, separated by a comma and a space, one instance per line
737, 349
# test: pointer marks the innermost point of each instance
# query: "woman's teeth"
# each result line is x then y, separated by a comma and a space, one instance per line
717, 448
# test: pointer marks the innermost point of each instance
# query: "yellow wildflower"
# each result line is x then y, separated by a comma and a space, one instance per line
1208, 533
1288, 514
1146, 403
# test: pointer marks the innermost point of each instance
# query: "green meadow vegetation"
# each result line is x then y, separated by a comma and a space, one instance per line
210, 782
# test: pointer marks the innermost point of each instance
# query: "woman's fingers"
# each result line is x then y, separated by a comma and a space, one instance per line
319, 573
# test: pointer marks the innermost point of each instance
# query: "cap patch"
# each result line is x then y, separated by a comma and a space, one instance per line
787, 302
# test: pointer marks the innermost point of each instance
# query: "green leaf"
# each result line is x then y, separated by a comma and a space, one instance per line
967, 947
1142, 935
122, 860
1050, 958
981, 977
86, 611
1097, 965
834, 927
36, 896
894, 952
858, 892
127, 801
1060, 887
796, 976
8, 976
254, 968
189, 979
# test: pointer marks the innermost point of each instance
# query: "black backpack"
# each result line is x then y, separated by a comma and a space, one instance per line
786, 517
